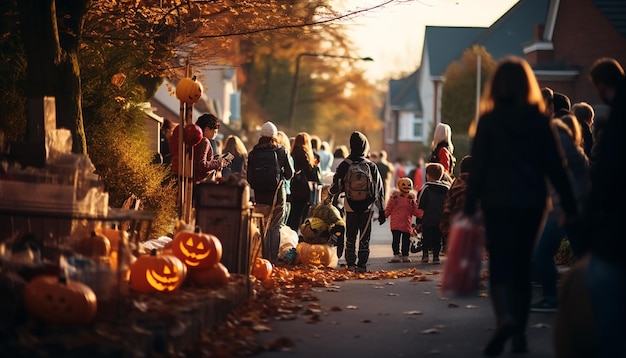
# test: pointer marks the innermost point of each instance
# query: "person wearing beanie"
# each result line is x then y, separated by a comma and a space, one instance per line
204, 166
268, 129
268, 168
359, 213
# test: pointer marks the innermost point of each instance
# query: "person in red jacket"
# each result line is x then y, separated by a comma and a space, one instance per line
442, 149
400, 209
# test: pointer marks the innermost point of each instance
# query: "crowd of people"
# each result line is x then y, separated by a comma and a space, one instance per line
540, 170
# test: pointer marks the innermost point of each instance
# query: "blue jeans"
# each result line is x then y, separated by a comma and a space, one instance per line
544, 269
607, 289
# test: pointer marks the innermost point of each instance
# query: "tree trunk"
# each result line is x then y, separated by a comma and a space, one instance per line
53, 68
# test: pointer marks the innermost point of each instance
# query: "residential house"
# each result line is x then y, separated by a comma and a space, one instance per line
560, 38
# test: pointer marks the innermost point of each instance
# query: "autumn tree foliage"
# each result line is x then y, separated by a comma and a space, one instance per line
102, 59
458, 98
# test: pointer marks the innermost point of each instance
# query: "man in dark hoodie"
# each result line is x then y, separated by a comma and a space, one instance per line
359, 213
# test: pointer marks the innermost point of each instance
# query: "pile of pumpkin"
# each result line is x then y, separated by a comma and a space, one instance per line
192, 257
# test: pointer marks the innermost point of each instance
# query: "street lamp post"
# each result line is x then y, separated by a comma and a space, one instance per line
296, 75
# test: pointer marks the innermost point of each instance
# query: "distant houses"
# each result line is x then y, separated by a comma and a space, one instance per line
560, 38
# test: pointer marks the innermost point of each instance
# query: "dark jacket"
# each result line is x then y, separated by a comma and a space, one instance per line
431, 199
455, 200
513, 152
605, 208
358, 147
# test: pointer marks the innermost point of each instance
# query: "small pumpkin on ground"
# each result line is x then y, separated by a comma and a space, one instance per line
317, 254
262, 268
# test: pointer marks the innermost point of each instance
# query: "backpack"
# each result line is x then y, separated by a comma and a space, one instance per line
358, 182
264, 171
434, 156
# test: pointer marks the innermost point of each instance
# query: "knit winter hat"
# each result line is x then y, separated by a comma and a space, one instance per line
268, 130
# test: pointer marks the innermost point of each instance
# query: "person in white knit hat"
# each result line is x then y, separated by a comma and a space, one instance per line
268, 167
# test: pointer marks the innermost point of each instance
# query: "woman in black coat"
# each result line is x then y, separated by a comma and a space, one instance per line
514, 150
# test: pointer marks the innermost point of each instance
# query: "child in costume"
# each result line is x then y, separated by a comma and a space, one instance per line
400, 209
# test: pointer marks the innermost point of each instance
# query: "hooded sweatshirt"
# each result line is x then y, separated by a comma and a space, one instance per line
359, 146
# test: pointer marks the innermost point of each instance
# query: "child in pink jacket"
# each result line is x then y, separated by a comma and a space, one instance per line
401, 208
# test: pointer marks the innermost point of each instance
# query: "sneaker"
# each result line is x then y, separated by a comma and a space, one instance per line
424, 259
351, 267
361, 269
405, 259
543, 306
395, 259
436, 261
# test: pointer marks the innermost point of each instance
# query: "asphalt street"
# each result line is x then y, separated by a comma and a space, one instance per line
399, 317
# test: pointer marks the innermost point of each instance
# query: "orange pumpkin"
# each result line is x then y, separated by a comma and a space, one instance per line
197, 250
95, 245
316, 254
58, 300
152, 273
188, 90
262, 268
405, 185
215, 276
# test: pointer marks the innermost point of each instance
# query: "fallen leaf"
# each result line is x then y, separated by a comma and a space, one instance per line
413, 313
366, 321
392, 294
430, 331
351, 307
540, 325
452, 305
335, 309
262, 328
470, 306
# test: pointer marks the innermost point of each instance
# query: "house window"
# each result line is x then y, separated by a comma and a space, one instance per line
411, 128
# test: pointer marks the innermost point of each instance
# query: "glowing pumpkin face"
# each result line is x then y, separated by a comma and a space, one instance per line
405, 185
59, 300
152, 273
197, 250
262, 269
316, 254
188, 90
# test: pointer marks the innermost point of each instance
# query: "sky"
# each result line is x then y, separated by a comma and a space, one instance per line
393, 36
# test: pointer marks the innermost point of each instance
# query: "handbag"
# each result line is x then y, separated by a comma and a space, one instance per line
416, 239
461, 272
300, 185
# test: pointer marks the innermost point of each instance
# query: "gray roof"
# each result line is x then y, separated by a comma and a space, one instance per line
615, 12
403, 94
446, 44
504, 37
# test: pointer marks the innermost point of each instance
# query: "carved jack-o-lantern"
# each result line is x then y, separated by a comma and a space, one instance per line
405, 185
197, 250
152, 273
316, 254
59, 300
262, 268
188, 90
